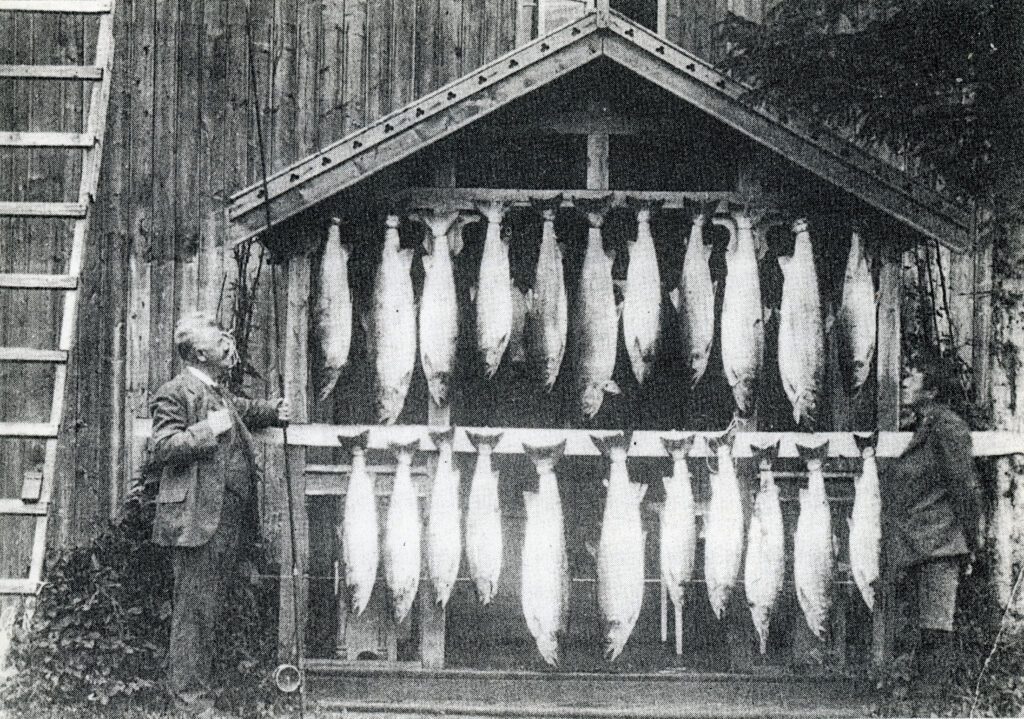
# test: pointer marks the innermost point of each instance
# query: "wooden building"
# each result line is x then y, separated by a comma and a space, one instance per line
237, 131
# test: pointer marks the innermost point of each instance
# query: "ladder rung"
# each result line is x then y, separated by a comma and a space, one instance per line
18, 586
42, 209
52, 72
43, 430
18, 507
29, 354
38, 282
90, 7
46, 139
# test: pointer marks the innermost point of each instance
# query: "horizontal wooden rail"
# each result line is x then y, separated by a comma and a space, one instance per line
29, 354
645, 443
85, 7
52, 72
42, 209
28, 430
46, 139
463, 198
27, 281
18, 586
18, 507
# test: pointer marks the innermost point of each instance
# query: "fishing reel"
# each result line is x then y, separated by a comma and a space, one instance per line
287, 678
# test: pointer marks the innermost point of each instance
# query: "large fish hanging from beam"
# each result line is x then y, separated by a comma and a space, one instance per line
858, 319
548, 318
595, 319
723, 527
494, 291
402, 557
620, 554
678, 529
439, 310
813, 554
866, 522
641, 309
444, 524
801, 332
545, 562
334, 308
765, 566
742, 314
484, 544
359, 533
694, 301
393, 326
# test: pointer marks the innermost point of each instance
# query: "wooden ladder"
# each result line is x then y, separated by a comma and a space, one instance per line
37, 487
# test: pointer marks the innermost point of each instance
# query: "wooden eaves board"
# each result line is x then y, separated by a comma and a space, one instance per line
443, 112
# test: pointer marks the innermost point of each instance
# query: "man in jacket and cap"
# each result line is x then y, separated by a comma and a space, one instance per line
205, 506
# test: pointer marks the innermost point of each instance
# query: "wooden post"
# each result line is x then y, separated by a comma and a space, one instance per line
291, 612
890, 289
597, 161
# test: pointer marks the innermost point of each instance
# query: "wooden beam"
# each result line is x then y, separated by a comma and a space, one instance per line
18, 507
598, 146
421, 123
840, 162
30, 354
26, 430
18, 586
46, 139
464, 198
42, 209
84, 7
982, 330
27, 281
52, 72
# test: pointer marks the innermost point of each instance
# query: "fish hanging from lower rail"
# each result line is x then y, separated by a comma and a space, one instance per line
402, 557
358, 532
334, 308
678, 545
765, 565
813, 545
866, 522
723, 526
545, 562
444, 524
484, 543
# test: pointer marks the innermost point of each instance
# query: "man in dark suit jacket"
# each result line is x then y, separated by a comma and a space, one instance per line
205, 504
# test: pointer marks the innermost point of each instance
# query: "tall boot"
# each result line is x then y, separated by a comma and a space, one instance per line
934, 662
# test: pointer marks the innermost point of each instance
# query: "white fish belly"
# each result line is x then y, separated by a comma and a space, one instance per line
394, 324
742, 331
723, 540
678, 542
596, 329
360, 549
494, 303
866, 532
550, 313
483, 534
813, 561
542, 583
765, 564
402, 565
438, 322
444, 534
641, 312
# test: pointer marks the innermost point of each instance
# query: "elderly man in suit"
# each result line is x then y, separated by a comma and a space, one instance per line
206, 501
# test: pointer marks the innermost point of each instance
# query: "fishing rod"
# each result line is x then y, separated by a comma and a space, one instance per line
287, 677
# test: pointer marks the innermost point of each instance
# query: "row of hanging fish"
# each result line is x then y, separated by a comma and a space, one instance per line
542, 315
758, 555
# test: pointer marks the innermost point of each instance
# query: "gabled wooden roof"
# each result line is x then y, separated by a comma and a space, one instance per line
596, 35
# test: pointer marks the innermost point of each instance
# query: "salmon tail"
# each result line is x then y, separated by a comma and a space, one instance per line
725, 439
766, 454
808, 454
400, 448
550, 453
443, 437
480, 440
354, 442
331, 379
541, 206
865, 440
606, 443
678, 445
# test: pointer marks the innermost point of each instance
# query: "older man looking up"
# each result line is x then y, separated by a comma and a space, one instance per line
206, 501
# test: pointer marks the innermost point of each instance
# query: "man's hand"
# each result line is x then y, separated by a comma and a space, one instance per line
220, 421
284, 411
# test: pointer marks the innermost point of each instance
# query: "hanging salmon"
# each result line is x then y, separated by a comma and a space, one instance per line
694, 301
548, 319
439, 310
596, 321
620, 554
402, 535
334, 308
494, 291
723, 527
678, 529
801, 333
742, 314
858, 319
483, 520
359, 533
813, 557
641, 309
866, 522
765, 567
545, 568
444, 526
393, 326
